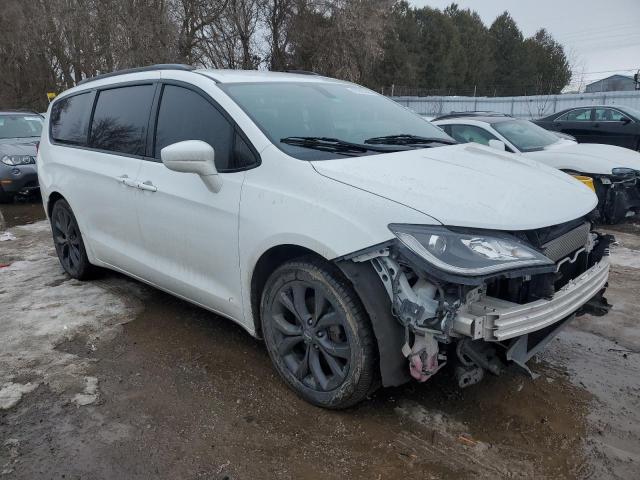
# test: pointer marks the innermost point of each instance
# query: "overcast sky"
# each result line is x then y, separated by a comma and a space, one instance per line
598, 35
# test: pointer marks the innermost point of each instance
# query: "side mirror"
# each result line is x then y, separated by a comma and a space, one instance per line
625, 121
497, 144
193, 156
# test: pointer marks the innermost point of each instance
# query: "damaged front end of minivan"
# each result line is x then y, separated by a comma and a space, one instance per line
476, 298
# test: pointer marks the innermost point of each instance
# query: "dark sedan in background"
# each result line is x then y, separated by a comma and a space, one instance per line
19, 136
613, 125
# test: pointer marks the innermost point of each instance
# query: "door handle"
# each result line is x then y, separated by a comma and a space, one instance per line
125, 180
148, 186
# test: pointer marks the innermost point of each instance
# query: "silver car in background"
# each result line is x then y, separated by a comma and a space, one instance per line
19, 137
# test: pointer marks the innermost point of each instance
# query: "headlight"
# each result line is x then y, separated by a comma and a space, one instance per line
467, 253
623, 172
14, 160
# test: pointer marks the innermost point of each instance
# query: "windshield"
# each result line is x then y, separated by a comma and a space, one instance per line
345, 112
526, 136
20, 126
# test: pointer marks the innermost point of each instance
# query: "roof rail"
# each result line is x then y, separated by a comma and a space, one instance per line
302, 72
148, 68
472, 113
18, 110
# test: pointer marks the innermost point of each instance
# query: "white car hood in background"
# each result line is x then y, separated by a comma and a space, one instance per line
468, 185
587, 157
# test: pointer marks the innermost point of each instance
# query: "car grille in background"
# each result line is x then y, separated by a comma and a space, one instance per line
571, 241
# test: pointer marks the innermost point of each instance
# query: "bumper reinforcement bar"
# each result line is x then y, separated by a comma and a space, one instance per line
493, 319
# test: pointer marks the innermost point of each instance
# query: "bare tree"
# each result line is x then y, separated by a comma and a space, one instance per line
141, 32
278, 15
26, 72
243, 16
50, 45
341, 38
193, 18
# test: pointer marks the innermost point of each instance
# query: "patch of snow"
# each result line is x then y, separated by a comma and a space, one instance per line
609, 372
7, 236
625, 257
43, 307
90, 394
11, 393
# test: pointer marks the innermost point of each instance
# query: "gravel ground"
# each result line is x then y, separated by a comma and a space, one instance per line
111, 379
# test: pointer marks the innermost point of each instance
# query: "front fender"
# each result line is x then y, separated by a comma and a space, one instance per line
390, 335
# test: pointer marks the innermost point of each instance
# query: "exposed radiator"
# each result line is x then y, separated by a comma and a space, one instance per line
571, 241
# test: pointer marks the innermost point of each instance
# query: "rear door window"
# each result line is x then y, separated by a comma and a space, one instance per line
121, 119
578, 115
70, 119
187, 115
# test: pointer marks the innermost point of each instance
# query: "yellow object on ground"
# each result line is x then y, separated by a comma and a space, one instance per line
588, 181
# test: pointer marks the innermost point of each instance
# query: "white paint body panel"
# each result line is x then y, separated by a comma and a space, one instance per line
469, 185
191, 236
203, 246
589, 158
285, 201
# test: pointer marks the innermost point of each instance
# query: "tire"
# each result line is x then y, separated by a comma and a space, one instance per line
68, 241
318, 334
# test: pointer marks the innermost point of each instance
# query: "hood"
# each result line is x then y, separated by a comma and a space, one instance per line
468, 185
587, 157
18, 146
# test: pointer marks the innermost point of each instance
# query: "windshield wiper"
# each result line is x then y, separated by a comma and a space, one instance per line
407, 139
328, 144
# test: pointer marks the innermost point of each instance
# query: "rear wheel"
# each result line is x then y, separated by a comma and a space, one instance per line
317, 333
68, 241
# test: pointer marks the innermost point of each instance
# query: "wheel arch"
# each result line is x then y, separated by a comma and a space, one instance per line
368, 287
271, 259
51, 200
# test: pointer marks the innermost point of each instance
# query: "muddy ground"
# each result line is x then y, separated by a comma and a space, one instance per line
111, 379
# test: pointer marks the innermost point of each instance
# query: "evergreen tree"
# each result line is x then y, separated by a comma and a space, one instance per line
478, 68
509, 56
550, 69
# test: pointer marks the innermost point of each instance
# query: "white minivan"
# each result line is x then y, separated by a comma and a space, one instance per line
363, 244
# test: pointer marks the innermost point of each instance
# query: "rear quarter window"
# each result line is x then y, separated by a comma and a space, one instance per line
70, 119
471, 134
579, 115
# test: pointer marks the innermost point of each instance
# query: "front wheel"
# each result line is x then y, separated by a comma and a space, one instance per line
318, 334
68, 241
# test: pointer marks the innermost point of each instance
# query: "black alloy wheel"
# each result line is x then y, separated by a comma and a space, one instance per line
318, 334
310, 336
68, 241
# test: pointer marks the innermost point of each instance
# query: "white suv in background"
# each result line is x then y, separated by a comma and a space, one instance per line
362, 243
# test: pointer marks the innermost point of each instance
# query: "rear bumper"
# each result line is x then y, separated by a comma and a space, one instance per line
21, 179
492, 319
